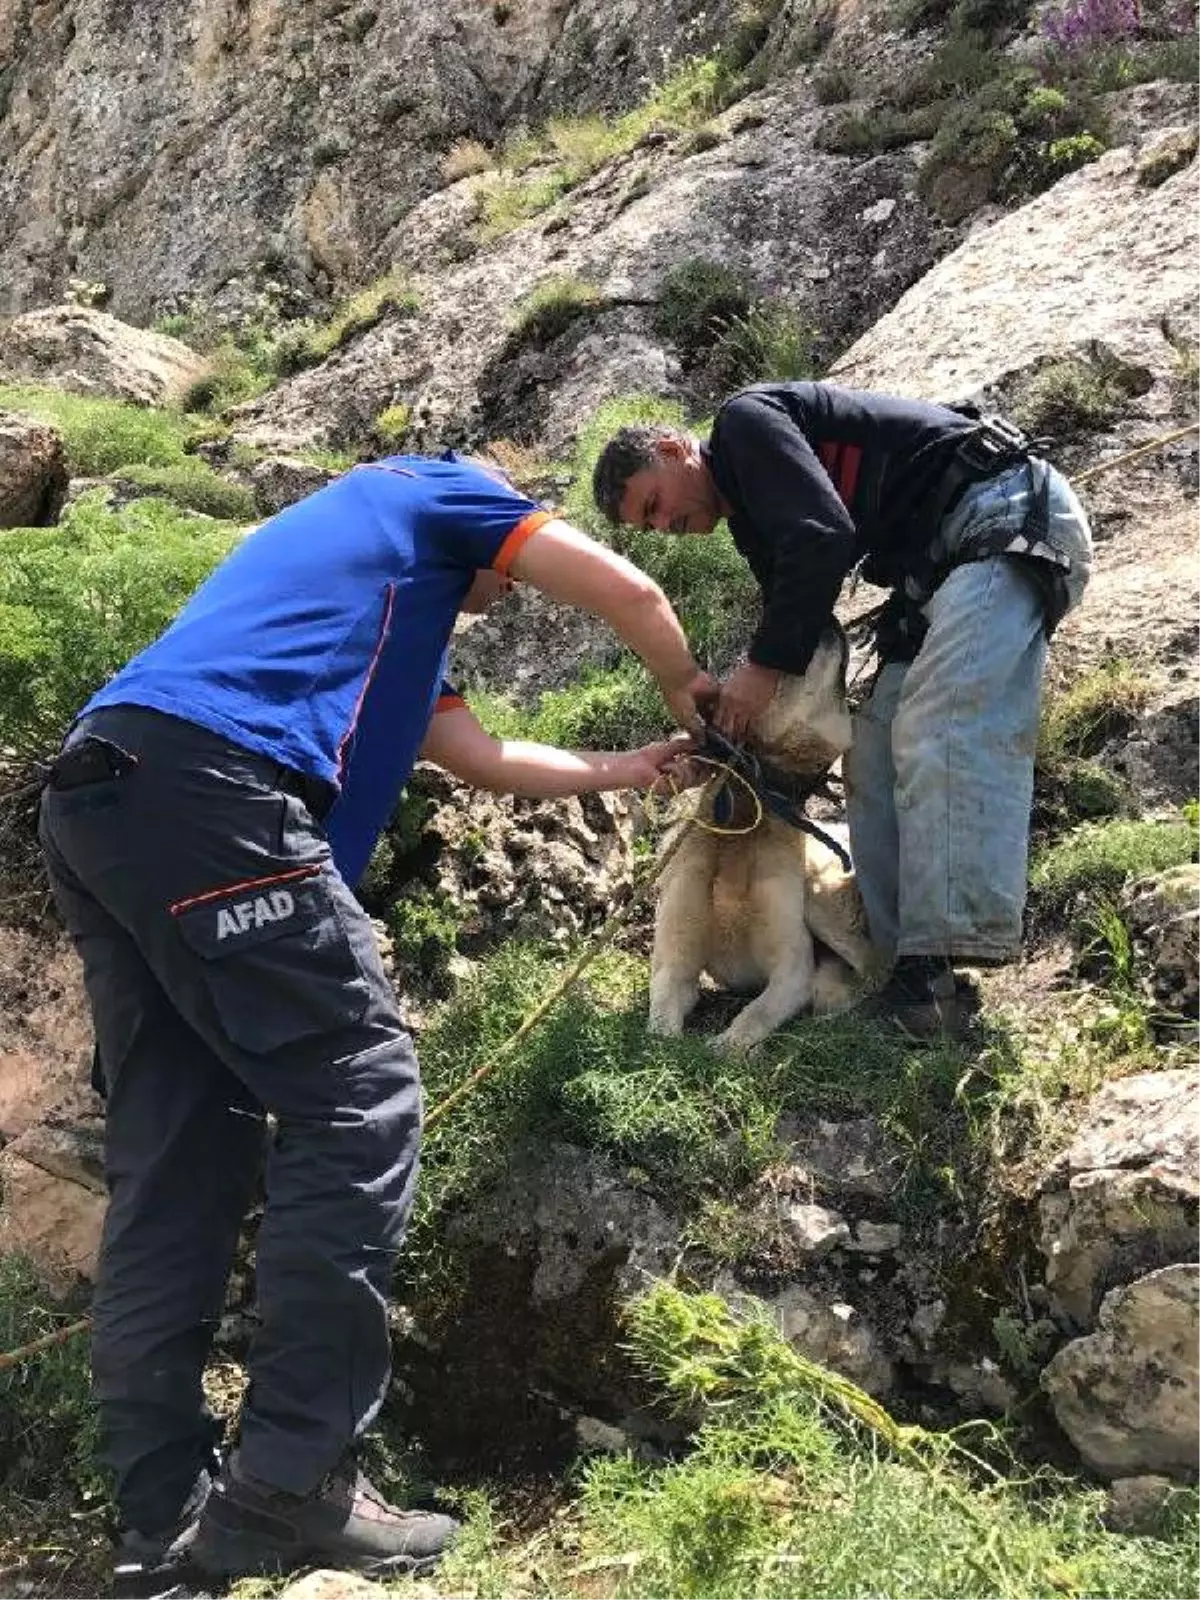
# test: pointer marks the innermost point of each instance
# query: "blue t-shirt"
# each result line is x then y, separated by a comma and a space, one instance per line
321, 640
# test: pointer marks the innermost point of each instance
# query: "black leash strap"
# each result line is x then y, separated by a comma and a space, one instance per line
782, 795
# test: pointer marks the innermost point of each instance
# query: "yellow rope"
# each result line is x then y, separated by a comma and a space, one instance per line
1132, 455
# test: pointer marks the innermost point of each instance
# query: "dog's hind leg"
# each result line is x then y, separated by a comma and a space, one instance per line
780, 923
681, 935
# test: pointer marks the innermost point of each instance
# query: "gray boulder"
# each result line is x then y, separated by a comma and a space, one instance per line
1127, 1395
33, 473
89, 352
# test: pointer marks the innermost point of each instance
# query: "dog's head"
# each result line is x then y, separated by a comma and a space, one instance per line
806, 725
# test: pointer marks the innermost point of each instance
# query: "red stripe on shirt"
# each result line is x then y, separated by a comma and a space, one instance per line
384, 630
449, 702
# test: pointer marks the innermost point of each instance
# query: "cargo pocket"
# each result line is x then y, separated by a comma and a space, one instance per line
276, 958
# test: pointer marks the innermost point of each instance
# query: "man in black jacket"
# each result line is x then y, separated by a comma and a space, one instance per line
984, 547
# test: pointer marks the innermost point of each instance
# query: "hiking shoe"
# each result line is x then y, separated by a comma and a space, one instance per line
250, 1527
150, 1564
924, 999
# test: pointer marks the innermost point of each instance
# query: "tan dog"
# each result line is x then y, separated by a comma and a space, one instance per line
745, 907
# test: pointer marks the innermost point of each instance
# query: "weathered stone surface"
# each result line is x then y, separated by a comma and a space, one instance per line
844, 1158
815, 1230
529, 644
53, 1221
1109, 1226
578, 1215
328, 1583
280, 481
33, 472
1163, 915
1127, 1395
1099, 257
46, 1042
522, 868
89, 352
182, 147
1137, 1505
834, 1334
1147, 1118
876, 1238
1123, 1197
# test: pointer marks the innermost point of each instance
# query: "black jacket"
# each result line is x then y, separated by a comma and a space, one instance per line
817, 479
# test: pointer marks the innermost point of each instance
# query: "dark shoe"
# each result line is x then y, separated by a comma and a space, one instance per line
146, 1564
924, 999
250, 1527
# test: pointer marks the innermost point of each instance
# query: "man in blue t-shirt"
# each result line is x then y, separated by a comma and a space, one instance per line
204, 825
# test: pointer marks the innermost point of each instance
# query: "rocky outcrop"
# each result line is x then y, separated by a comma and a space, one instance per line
1127, 1395
804, 226
33, 472
1097, 260
1163, 916
279, 481
89, 352
1123, 1196
172, 148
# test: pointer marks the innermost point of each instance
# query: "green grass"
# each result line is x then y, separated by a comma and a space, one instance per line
193, 485
551, 308
78, 600
102, 436
1069, 397
1095, 860
307, 343
47, 1420
1095, 708
537, 169
605, 710
795, 1487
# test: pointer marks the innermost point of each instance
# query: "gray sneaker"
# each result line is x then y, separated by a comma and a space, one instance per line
250, 1527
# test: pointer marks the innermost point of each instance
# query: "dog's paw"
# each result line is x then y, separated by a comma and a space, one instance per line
735, 1041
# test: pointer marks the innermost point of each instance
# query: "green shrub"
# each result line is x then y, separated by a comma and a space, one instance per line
1073, 396
551, 308
78, 600
193, 484
102, 436
1071, 153
697, 301
771, 343
47, 1417
833, 84
1097, 706
391, 427
306, 343
424, 926
1095, 860
605, 710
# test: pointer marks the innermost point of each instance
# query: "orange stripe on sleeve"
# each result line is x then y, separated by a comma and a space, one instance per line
524, 530
449, 702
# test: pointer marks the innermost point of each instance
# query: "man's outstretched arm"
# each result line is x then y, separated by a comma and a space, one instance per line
457, 742
579, 571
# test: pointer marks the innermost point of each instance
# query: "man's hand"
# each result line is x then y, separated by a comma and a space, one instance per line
743, 698
649, 767
690, 700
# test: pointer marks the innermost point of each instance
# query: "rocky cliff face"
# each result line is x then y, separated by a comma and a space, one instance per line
166, 148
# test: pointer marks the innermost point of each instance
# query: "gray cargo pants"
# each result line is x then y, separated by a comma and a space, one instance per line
231, 973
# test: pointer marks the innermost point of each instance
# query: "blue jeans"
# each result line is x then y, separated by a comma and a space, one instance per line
939, 780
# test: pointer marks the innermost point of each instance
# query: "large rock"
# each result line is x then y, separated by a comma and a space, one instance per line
33, 472
53, 1220
1098, 258
1127, 1395
1163, 915
834, 1334
801, 224
1123, 1196
197, 146
88, 352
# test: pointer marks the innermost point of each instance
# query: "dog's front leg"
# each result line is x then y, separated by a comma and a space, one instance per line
789, 988
681, 932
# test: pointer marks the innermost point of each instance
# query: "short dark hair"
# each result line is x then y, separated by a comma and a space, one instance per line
629, 450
